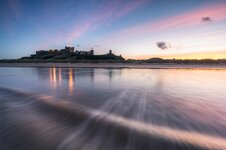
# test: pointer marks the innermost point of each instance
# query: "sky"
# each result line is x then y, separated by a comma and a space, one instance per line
136, 29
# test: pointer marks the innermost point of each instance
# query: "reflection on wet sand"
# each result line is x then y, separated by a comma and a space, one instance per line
53, 78
60, 76
70, 81
124, 109
56, 78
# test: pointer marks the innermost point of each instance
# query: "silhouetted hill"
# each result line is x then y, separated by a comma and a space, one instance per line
69, 54
74, 57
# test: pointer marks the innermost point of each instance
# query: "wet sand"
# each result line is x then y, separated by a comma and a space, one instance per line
125, 109
21, 114
118, 65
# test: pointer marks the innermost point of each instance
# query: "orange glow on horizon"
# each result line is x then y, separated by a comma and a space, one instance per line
198, 55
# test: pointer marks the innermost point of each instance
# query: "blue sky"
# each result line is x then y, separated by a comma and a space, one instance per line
128, 27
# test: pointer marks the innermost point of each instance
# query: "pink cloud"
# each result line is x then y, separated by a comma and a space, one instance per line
185, 20
105, 14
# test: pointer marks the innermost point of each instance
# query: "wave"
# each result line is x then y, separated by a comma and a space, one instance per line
31, 121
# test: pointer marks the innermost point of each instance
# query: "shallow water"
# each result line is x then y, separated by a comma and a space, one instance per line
95, 109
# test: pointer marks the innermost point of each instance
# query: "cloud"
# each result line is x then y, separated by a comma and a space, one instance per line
189, 19
163, 45
206, 19
106, 13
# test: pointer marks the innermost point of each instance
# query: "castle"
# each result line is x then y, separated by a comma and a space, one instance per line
69, 53
66, 50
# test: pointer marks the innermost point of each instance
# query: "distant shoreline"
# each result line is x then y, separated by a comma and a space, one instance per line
118, 65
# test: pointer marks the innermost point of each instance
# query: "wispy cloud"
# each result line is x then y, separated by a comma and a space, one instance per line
106, 13
183, 20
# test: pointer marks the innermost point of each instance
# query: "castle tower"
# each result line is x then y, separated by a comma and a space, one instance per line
91, 52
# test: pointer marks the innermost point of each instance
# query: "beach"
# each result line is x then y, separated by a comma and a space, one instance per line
95, 106
118, 65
